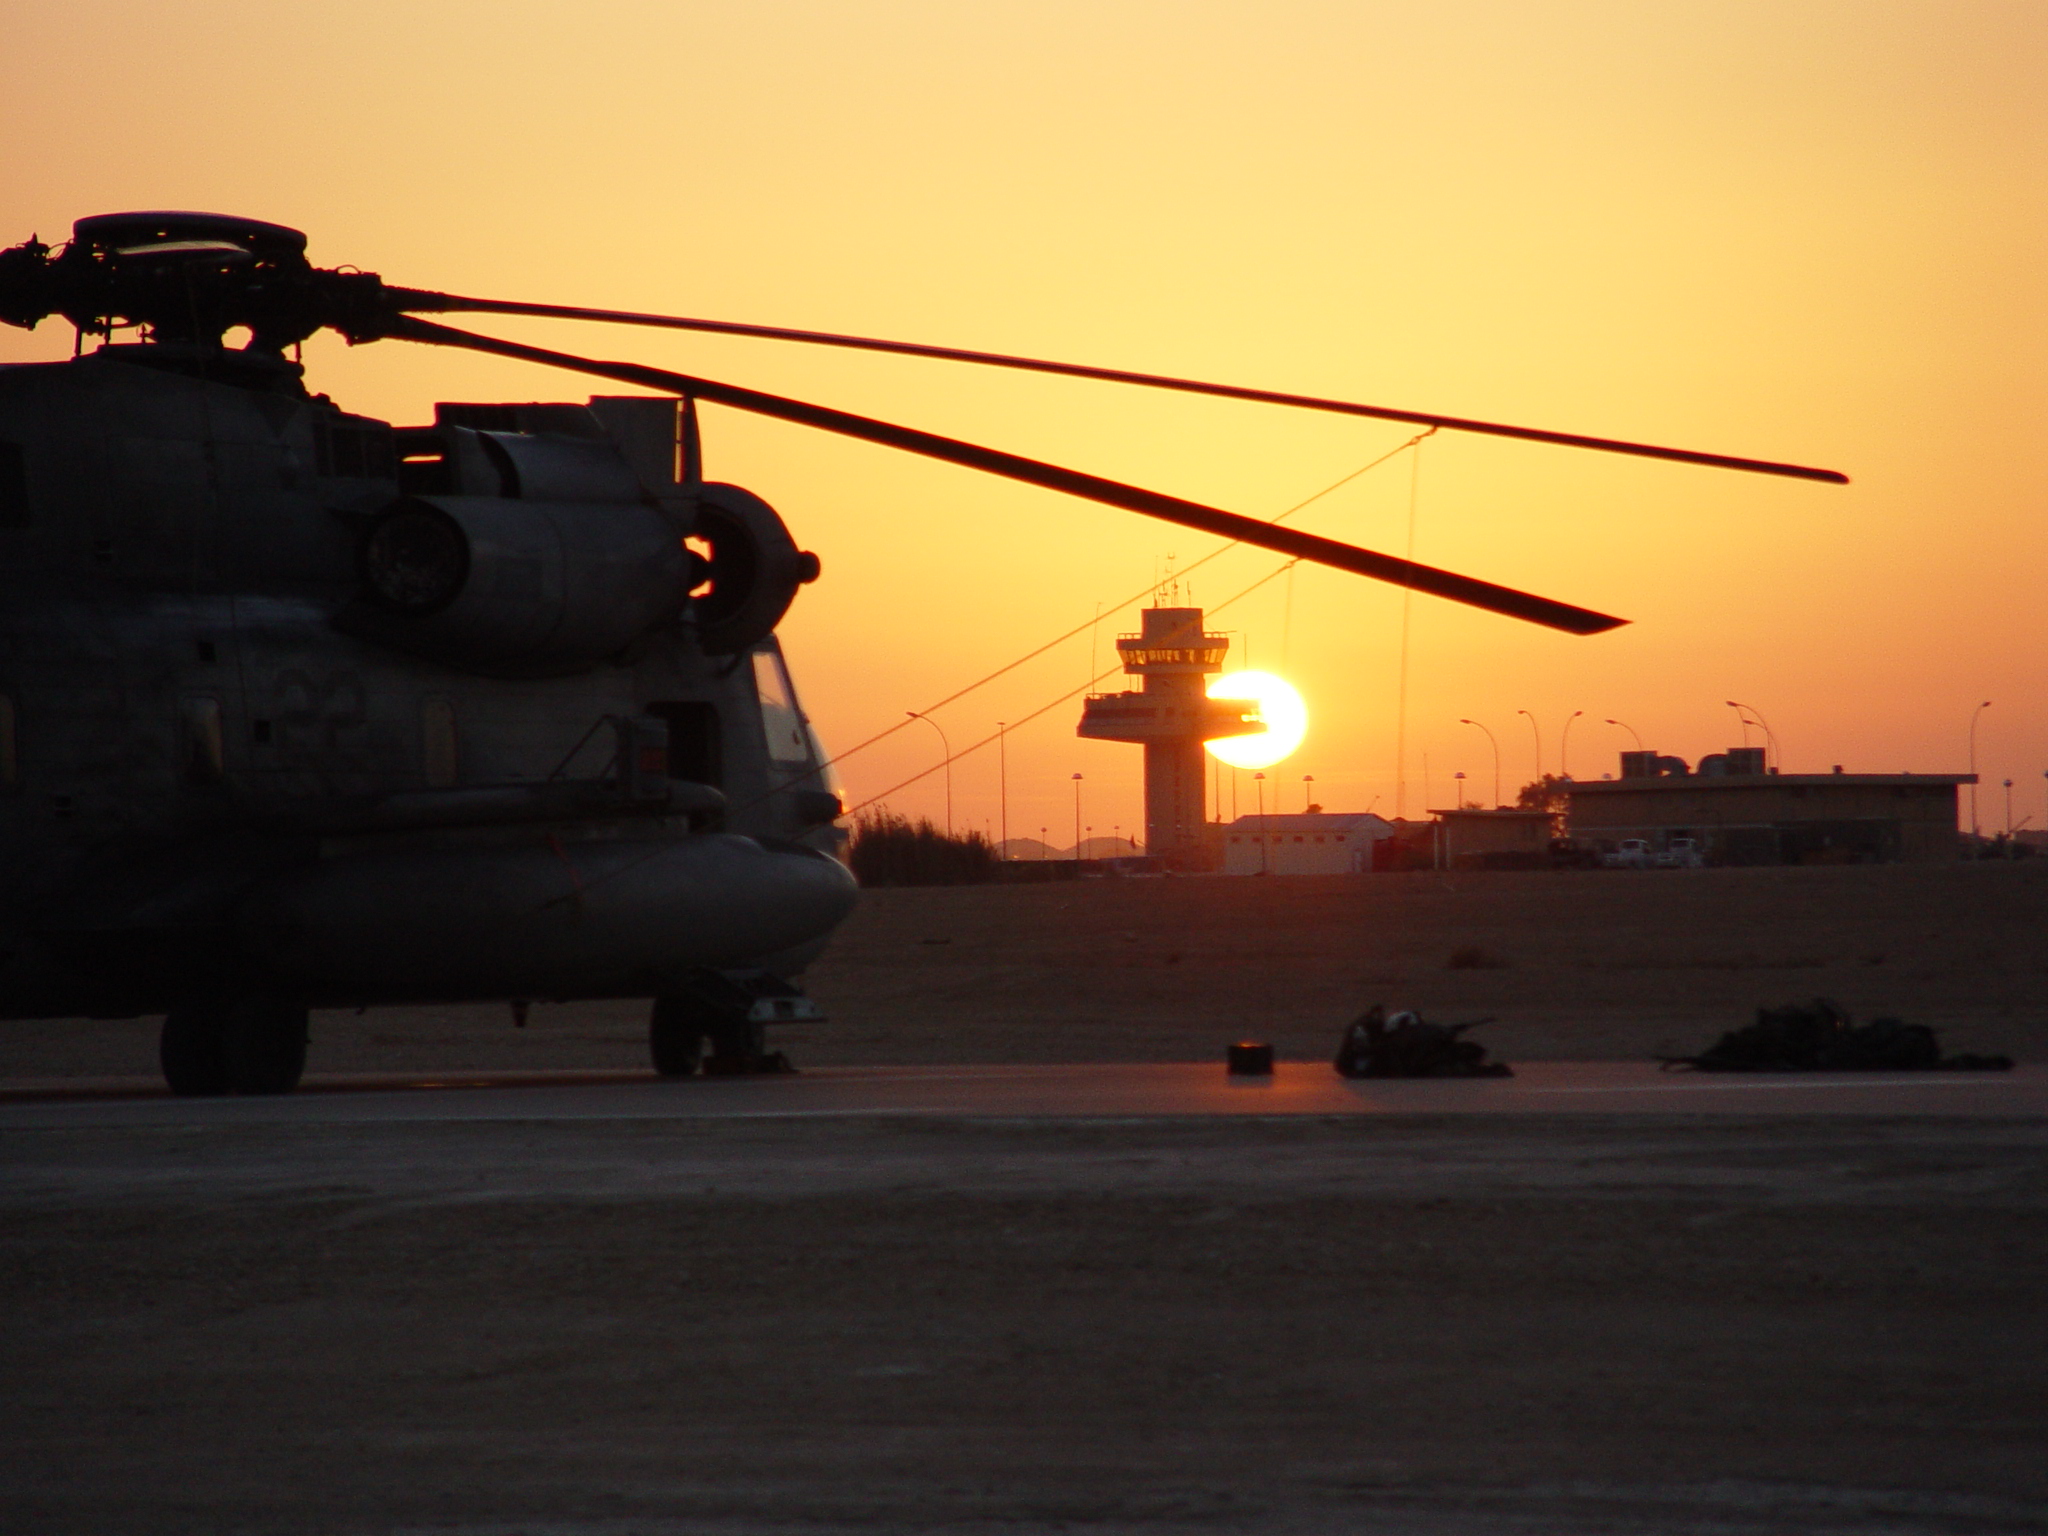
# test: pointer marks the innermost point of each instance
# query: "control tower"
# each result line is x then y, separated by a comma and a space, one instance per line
1172, 717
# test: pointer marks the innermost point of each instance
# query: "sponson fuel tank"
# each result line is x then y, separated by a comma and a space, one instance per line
611, 917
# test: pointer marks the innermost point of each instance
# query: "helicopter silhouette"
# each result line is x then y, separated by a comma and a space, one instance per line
302, 709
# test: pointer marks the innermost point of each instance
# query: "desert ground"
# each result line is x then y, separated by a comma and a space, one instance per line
258, 1317
1581, 965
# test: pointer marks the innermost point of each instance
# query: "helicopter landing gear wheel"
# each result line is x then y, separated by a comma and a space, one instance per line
252, 1046
710, 1010
739, 1046
263, 1046
675, 1034
189, 1050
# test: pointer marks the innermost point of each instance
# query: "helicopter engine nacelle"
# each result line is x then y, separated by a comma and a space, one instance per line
753, 570
521, 587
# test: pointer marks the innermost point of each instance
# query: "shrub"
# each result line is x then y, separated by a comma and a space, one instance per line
888, 849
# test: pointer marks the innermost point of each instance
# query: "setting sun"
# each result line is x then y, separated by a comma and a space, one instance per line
1279, 705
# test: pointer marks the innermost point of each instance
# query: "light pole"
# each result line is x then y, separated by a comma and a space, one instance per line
1537, 732
1973, 763
1564, 752
1633, 732
1770, 736
1259, 783
1496, 759
1077, 818
946, 747
2008, 811
1308, 792
1003, 786
1044, 847
1459, 795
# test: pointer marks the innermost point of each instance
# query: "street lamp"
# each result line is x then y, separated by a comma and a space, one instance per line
1973, 763
1770, 736
1259, 783
1496, 759
1537, 732
1564, 752
1077, 818
1308, 792
1003, 786
1459, 794
946, 747
1631, 730
2008, 811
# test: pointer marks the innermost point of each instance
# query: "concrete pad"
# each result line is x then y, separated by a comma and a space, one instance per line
1201, 1089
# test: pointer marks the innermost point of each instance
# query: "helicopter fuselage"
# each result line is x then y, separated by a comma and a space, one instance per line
297, 704
299, 708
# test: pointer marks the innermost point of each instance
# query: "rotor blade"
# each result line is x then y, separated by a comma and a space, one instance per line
1188, 514
418, 300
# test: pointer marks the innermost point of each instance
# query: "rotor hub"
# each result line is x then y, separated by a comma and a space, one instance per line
187, 279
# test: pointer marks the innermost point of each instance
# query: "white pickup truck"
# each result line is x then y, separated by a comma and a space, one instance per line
1634, 853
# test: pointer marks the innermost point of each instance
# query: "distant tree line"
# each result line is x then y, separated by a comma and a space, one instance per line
888, 849
1549, 793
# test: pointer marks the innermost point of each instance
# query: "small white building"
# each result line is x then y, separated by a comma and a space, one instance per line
1307, 843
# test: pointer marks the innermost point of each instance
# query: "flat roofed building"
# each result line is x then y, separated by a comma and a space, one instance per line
1306, 843
1472, 838
1774, 818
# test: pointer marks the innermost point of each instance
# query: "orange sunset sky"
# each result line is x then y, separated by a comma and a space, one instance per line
1803, 231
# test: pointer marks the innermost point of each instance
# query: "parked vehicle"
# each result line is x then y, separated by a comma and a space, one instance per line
1681, 853
1634, 853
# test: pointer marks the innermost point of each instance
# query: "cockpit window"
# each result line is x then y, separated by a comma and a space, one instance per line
789, 743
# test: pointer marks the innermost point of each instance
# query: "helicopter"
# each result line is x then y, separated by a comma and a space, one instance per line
300, 709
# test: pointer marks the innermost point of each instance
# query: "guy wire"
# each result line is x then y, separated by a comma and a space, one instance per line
1280, 570
1059, 640
831, 762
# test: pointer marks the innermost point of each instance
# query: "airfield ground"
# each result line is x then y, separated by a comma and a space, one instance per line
589, 1311
1578, 966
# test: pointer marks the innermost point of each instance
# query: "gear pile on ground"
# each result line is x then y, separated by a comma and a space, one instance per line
1404, 1046
1819, 1036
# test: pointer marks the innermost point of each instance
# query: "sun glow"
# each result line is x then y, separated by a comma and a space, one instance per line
1282, 709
